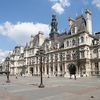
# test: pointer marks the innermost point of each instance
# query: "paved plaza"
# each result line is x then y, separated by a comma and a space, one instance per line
56, 88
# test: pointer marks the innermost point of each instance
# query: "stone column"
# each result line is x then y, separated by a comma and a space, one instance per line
58, 69
38, 69
54, 69
88, 69
28, 70
63, 68
49, 69
45, 69
66, 70
35, 70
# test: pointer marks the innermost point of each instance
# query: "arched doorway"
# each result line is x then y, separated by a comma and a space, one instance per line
72, 68
96, 68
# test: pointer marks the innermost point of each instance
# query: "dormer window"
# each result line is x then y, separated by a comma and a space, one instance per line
73, 30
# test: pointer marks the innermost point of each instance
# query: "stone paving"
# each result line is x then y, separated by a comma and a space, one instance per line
56, 88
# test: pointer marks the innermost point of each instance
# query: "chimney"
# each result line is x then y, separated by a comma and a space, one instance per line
71, 21
88, 21
41, 38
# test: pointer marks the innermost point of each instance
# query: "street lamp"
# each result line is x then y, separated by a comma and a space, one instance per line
41, 54
47, 65
91, 63
78, 58
7, 69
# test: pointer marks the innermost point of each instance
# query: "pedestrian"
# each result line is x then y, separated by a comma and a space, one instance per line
16, 76
21, 73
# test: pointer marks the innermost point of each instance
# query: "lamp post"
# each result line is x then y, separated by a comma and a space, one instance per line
41, 54
78, 58
78, 55
91, 63
7, 69
48, 65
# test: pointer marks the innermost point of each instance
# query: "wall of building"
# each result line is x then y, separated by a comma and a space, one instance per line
78, 49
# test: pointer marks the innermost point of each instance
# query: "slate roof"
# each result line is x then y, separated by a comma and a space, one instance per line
80, 23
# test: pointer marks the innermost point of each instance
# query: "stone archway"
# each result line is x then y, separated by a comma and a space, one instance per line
72, 68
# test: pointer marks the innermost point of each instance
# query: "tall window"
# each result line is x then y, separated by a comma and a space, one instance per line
95, 50
63, 56
61, 67
73, 42
73, 29
74, 56
82, 39
82, 54
51, 57
60, 56
56, 57
68, 57
67, 43
51, 68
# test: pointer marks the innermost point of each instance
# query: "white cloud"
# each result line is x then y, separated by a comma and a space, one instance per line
58, 8
60, 5
65, 3
96, 3
3, 54
21, 32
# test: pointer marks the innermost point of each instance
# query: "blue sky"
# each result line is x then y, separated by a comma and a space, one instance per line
19, 19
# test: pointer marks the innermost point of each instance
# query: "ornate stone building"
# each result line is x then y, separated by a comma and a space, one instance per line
78, 46
17, 60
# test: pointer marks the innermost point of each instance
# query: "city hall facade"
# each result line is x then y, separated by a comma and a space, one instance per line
78, 46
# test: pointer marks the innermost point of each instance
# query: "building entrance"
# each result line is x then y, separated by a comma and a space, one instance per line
72, 70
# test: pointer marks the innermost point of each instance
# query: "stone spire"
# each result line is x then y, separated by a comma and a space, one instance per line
54, 24
54, 29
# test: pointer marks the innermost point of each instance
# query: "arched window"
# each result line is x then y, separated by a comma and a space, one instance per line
74, 56
82, 39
